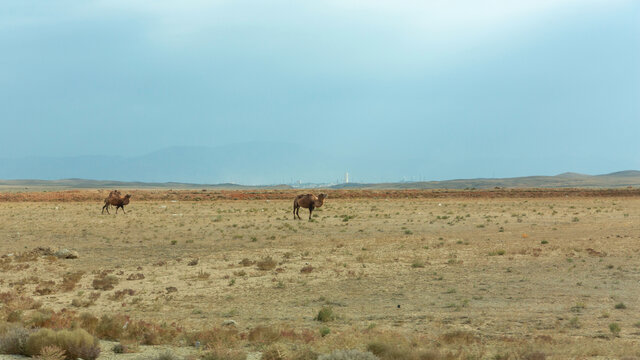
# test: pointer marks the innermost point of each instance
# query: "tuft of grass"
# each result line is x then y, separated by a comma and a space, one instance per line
615, 329
324, 331
620, 306
417, 263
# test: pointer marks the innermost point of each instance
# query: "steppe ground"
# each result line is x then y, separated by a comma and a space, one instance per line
540, 274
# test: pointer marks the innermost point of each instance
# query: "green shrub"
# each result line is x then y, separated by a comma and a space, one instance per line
615, 329
325, 314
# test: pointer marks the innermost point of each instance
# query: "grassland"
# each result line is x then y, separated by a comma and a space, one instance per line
451, 276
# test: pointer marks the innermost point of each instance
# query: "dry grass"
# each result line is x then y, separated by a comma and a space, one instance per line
422, 269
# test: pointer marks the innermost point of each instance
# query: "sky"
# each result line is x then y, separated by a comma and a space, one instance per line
416, 89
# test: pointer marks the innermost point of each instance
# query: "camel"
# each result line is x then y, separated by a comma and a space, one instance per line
307, 201
113, 194
117, 201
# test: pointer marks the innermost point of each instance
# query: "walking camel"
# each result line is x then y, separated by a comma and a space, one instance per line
116, 200
307, 201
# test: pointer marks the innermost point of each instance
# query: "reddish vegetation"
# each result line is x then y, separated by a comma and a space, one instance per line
193, 195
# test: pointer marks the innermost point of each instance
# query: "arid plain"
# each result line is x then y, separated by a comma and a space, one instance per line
461, 276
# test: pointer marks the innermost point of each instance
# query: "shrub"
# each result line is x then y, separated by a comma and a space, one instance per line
324, 331
266, 264
109, 328
348, 355
620, 306
51, 353
167, 355
13, 341
325, 314
76, 343
70, 279
264, 334
105, 283
615, 329
225, 354
274, 352
88, 322
14, 316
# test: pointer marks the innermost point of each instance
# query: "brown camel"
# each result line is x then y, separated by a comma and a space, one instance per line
112, 194
307, 201
117, 201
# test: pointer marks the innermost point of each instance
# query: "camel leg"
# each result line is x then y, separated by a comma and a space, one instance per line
123, 210
310, 211
105, 207
294, 211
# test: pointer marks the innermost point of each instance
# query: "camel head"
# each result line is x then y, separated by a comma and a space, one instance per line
322, 196
127, 196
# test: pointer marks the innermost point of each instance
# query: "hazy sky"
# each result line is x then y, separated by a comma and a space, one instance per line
550, 85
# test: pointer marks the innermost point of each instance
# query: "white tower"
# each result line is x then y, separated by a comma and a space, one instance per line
346, 177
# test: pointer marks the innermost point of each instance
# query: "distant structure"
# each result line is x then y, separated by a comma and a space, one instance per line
346, 177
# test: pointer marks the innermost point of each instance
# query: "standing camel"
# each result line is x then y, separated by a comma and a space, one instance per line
307, 201
117, 201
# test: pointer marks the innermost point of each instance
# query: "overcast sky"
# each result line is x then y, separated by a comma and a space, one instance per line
552, 85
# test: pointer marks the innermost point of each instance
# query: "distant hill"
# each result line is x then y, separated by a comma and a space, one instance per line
565, 180
616, 179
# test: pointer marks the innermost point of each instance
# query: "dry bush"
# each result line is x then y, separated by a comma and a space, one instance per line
125, 347
76, 343
167, 355
50, 319
263, 334
202, 275
214, 338
147, 333
225, 354
105, 283
459, 337
13, 301
86, 302
46, 288
109, 327
120, 294
70, 279
348, 355
88, 322
266, 264
15, 316
13, 340
275, 352
306, 269
136, 276
246, 262
51, 353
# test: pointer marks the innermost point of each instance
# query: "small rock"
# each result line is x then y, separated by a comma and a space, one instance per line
66, 254
229, 323
193, 262
171, 289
